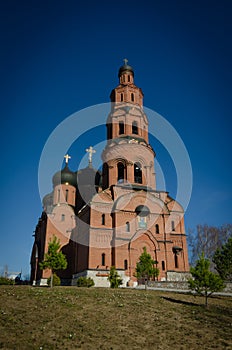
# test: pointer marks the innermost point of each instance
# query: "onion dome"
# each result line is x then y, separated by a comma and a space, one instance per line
48, 200
65, 176
89, 176
125, 68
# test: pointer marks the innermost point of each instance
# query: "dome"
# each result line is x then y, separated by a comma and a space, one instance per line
65, 176
125, 68
48, 199
89, 176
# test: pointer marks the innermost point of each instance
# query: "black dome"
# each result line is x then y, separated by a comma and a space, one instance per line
89, 176
65, 176
125, 68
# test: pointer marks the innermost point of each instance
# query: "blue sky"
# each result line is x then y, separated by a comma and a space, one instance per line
58, 57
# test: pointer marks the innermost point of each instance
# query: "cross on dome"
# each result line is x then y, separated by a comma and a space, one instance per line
67, 157
125, 61
90, 150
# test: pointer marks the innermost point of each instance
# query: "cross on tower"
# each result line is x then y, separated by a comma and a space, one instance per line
125, 61
90, 150
67, 157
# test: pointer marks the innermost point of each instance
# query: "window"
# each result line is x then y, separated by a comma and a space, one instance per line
173, 226
103, 259
132, 97
163, 265
62, 217
120, 172
156, 228
127, 226
125, 265
66, 195
135, 128
128, 78
121, 128
105, 175
58, 195
109, 131
121, 97
103, 219
137, 173
176, 261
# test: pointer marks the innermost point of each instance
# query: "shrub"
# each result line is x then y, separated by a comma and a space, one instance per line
6, 281
114, 278
56, 280
85, 282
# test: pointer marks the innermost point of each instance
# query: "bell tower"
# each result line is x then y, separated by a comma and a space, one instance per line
128, 159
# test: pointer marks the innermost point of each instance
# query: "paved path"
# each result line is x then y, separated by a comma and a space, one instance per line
180, 290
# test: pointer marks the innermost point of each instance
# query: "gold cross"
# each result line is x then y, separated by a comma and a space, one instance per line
90, 150
125, 61
67, 157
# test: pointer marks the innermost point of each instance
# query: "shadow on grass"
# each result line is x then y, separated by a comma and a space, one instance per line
178, 301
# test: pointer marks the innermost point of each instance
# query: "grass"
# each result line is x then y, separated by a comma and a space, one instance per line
99, 318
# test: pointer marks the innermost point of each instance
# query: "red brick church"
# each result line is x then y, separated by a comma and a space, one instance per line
106, 218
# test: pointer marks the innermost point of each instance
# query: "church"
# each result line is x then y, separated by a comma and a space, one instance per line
106, 218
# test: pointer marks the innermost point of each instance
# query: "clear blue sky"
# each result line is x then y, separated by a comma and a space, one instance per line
58, 57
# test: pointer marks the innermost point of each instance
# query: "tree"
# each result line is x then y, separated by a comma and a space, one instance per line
206, 239
204, 282
114, 278
223, 260
145, 268
54, 259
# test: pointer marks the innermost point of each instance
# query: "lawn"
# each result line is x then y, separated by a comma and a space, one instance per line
100, 318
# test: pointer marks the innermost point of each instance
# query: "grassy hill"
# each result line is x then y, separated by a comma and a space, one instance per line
99, 318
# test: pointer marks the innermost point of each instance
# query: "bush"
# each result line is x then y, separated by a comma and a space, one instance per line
114, 278
6, 281
56, 280
85, 282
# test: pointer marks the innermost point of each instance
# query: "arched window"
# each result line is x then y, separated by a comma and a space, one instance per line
121, 171
125, 265
176, 261
62, 217
137, 173
66, 195
105, 175
163, 265
135, 128
58, 196
109, 131
121, 127
173, 225
156, 228
103, 259
128, 78
103, 219
127, 226
121, 97
132, 97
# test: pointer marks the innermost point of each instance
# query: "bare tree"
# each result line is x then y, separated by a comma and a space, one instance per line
206, 239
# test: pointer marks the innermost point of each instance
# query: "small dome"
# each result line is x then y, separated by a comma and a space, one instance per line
125, 68
48, 199
65, 176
